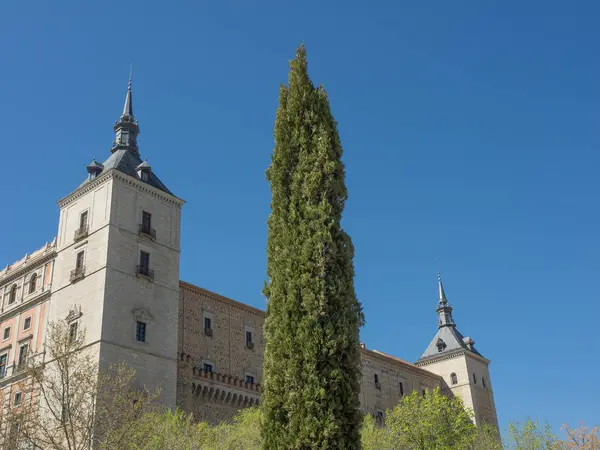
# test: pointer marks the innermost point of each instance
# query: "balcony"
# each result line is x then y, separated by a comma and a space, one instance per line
145, 272
81, 233
147, 231
77, 274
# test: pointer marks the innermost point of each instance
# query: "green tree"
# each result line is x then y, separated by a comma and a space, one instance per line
531, 436
431, 422
312, 359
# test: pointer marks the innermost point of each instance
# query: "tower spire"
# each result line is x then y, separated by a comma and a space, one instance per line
443, 300
444, 309
128, 108
126, 128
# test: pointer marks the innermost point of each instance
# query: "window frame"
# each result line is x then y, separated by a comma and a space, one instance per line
23, 355
5, 366
4, 336
453, 378
18, 395
208, 363
26, 321
12, 294
141, 325
33, 282
83, 223
146, 227
80, 260
73, 337
474, 378
401, 387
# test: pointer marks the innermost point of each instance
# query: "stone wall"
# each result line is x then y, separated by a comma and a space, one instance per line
217, 396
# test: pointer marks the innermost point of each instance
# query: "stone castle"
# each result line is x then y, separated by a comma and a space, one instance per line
113, 270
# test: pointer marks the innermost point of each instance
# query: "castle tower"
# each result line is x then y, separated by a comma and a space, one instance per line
117, 266
464, 370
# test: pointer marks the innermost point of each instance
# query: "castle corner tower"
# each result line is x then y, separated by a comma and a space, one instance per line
464, 370
117, 265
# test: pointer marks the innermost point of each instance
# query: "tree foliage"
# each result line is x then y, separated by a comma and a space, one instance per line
68, 403
312, 360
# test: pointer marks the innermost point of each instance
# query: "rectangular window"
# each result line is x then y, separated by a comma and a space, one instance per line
249, 379
144, 262
27, 323
207, 323
140, 331
17, 400
248, 337
3, 360
79, 261
23, 354
146, 222
72, 332
83, 220
423, 391
376, 377
401, 389
6, 334
207, 367
474, 378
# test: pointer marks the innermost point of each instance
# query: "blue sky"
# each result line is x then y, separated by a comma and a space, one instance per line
470, 130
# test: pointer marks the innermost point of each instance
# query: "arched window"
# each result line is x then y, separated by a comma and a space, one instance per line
483, 381
33, 283
453, 378
12, 297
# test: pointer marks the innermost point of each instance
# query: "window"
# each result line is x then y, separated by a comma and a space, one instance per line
140, 332
483, 381
17, 399
474, 378
248, 337
453, 378
144, 263
73, 332
27, 323
207, 367
207, 323
376, 379
146, 222
424, 392
13, 294
379, 418
249, 379
3, 360
6, 334
144, 175
23, 354
83, 220
79, 261
33, 283
401, 389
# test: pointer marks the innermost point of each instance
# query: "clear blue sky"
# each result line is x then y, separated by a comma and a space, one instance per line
470, 130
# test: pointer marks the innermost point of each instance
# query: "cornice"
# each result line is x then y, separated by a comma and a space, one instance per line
215, 296
452, 355
164, 196
25, 305
115, 173
393, 360
27, 267
84, 189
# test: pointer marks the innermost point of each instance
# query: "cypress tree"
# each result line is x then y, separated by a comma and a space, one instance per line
312, 357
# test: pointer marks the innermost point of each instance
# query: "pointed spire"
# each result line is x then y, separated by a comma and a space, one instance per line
126, 128
443, 300
444, 309
128, 108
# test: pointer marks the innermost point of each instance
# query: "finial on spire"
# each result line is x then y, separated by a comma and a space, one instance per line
128, 108
443, 299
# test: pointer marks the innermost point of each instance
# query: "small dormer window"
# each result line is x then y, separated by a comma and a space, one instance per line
441, 345
144, 175
143, 171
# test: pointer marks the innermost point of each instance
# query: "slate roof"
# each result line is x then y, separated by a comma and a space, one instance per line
126, 161
453, 340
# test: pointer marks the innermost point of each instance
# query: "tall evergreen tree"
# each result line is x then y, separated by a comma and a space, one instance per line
312, 357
